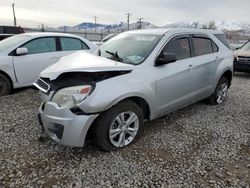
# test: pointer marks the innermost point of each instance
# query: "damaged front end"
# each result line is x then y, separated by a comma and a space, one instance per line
74, 79
75, 85
59, 114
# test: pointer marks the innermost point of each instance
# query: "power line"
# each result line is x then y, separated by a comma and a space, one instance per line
14, 14
128, 17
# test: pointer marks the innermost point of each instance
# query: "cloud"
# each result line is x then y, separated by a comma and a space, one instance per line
159, 12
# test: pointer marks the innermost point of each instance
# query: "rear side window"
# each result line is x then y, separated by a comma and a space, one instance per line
202, 46
223, 39
72, 44
41, 45
180, 47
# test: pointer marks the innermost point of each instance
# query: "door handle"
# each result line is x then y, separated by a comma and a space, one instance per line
217, 58
190, 67
55, 58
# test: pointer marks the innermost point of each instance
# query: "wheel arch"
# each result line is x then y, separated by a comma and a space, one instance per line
8, 77
140, 101
228, 74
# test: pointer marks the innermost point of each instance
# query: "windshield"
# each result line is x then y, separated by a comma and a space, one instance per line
246, 46
7, 43
128, 48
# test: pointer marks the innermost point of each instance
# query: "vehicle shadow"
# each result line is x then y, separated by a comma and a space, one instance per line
19, 90
242, 75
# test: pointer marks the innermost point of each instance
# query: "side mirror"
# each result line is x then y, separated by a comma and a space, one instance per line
22, 51
165, 58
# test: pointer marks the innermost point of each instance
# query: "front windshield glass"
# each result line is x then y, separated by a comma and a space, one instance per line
7, 43
129, 48
246, 46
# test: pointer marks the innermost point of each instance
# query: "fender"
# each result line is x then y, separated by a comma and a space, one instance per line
224, 65
109, 92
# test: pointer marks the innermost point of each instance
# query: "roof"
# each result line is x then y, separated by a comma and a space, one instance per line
162, 31
45, 34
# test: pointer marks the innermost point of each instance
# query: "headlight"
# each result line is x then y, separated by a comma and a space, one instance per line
71, 96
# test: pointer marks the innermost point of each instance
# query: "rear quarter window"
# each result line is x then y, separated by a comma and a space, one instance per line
223, 39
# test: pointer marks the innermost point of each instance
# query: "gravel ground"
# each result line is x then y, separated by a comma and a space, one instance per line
199, 146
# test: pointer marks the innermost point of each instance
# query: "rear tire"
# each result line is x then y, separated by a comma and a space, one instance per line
220, 94
119, 126
5, 85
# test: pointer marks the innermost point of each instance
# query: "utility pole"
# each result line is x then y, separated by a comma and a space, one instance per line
43, 28
95, 22
140, 22
128, 17
14, 14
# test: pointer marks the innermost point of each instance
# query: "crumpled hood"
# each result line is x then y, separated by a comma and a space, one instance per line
241, 52
83, 62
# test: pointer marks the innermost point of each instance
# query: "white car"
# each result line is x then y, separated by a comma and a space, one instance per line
24, 56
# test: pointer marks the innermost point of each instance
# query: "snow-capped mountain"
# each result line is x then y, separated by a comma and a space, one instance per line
122, 26
220, 25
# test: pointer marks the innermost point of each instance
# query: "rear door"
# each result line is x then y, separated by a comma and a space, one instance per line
70, 45
206, 59
42, 52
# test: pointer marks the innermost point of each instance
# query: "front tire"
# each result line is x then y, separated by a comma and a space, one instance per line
5, 85
220, 94
118, 127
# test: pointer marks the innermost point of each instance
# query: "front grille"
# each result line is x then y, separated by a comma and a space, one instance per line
243, 59
42, 85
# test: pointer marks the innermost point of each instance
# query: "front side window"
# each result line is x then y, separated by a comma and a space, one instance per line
41, 45
129, 48
72, 44
180, 47
202, 46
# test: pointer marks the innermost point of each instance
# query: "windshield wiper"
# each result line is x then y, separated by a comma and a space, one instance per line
115, 56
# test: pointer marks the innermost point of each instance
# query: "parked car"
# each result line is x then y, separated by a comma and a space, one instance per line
24, 56
242, 59
8, 31
105, 39
136, 76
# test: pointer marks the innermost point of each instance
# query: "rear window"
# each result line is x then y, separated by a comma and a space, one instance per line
223, 39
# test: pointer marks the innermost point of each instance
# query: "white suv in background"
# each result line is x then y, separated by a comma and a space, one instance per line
24, 56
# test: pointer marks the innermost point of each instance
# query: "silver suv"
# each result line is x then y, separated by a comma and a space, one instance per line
136, 76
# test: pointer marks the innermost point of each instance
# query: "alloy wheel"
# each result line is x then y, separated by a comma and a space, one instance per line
124, 129
222, 93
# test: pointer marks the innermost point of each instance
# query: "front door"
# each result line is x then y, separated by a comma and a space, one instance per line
42, 52
175, 81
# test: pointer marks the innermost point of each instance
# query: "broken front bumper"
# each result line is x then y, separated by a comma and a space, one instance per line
63, 126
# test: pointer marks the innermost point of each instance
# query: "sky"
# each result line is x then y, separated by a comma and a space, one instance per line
53, 13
